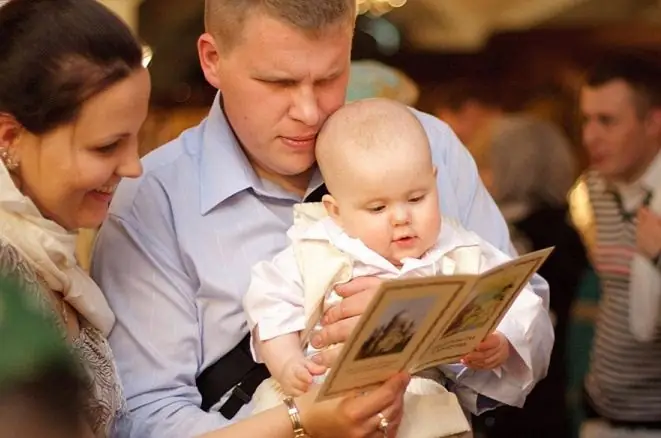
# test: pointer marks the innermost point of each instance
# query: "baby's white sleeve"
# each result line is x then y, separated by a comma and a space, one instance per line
274, 301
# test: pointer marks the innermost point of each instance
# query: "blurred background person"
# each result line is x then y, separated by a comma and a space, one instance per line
370, 78
620, 103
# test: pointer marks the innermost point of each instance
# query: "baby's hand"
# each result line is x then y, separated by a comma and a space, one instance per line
297, 374
491, 353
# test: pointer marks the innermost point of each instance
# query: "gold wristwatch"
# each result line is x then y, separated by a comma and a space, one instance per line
295, 418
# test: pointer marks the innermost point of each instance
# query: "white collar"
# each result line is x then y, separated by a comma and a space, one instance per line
327, 230
650, 180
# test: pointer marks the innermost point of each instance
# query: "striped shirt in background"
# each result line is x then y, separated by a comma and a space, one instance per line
624, 381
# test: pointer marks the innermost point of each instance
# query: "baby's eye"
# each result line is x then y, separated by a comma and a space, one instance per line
417, 199
376, 209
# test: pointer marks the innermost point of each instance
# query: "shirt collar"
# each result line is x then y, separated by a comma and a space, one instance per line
224, 167
315, 182
650, 180
325, 229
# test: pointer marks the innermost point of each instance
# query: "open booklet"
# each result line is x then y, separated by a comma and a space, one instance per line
419, 323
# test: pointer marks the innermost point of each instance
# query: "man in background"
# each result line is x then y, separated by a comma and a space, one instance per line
621, 108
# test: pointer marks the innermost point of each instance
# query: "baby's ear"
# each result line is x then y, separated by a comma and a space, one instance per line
333, 210
435, 170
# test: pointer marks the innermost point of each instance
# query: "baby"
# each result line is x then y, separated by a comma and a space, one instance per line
381, 218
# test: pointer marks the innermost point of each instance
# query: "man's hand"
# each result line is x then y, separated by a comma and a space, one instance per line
491, 353
648, 233
339, 320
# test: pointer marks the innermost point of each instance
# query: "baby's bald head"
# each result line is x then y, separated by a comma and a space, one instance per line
375, 159
369, 135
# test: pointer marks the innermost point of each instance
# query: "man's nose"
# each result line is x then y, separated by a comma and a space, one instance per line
590, 134
305, 107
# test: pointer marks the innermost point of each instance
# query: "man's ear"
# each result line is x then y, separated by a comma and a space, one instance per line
333, 210
209, 54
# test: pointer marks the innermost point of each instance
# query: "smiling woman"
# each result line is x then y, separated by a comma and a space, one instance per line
73, 95
68, 140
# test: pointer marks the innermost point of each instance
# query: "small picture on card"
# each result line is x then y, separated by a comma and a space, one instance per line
479, 310
398, 324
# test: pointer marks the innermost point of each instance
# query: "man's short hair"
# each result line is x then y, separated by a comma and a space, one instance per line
642, 73
225, 19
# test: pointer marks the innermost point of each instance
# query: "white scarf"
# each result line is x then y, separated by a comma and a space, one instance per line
645, 290
50, 251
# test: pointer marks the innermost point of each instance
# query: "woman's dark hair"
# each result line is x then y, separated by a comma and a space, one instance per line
56, 54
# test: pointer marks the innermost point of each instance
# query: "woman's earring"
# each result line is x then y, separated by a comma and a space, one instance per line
8, 160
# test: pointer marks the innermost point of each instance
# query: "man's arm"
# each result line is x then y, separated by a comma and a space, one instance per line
156, 341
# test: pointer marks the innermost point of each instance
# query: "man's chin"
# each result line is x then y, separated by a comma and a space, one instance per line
305, 169
608, 171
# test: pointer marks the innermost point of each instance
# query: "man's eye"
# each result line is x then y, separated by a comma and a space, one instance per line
283, 83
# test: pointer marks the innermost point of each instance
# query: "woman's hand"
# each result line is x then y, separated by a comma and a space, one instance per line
356, 415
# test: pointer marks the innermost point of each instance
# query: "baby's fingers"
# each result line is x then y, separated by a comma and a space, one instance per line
303, 375
315, 369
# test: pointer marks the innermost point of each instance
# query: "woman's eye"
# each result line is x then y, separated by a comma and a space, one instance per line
108, 148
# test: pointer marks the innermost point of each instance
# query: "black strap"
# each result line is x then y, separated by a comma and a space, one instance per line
236, 371
317, 194
242, 392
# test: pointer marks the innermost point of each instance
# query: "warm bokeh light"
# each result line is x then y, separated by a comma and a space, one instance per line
378, 7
